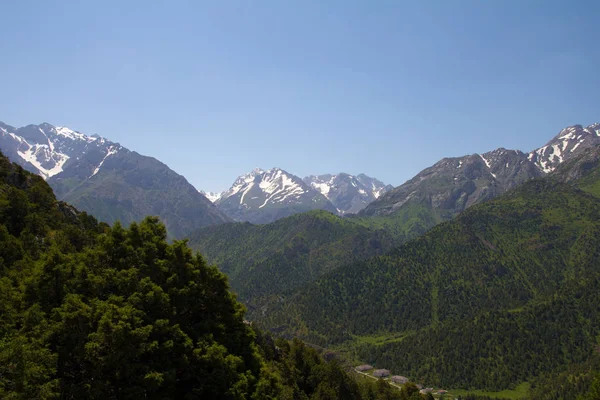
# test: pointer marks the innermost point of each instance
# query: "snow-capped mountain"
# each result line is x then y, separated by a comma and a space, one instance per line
348, 193
48, 150
569, 142
212, 196
265, 196
453, 184
106, 179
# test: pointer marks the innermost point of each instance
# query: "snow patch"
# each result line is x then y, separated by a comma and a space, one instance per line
323, 188
487, 163
556, 153
212, 196
33, 153
111, 150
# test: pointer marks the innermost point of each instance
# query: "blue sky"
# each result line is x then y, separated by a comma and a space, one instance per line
214, 89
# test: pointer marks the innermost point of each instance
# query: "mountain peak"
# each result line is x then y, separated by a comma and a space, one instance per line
212, 196
348, 193
96, 175
565, 145
263, 196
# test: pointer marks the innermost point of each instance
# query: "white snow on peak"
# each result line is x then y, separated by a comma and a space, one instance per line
212, 196
487, 163
111, 150
556, 154
278, 186
543, 164
73, 135
36, 152
378, 192
576, 145
275, 184
322, 187
568, 133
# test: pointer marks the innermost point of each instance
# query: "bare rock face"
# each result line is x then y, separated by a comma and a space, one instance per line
348, 193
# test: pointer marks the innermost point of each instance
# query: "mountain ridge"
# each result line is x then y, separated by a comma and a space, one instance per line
348, 193
108, 180
455, 183
472, 291
263, 196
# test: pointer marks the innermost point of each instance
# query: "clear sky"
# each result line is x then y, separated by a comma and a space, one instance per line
215, 89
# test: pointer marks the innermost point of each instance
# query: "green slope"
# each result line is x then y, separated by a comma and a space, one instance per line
93, 312
264, 262
458, 293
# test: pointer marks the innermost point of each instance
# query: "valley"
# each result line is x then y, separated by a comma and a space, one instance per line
465, 277
274, 200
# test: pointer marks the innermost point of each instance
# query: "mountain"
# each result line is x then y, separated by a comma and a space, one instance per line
564, 146
265, 196
349, 194
503, 293
212, 196
90, 311
442, 191
108, 180
453, 184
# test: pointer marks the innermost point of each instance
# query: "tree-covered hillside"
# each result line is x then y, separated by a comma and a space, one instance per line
266, 261
506, 291
89, 311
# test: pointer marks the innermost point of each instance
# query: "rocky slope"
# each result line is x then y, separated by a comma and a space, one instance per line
348, 193
453, 184
265, 196
108, 180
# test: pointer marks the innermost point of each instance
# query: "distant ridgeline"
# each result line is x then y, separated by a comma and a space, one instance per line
108, 180
89, 311
506, 292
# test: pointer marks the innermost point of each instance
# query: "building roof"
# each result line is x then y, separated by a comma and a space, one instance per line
381, 372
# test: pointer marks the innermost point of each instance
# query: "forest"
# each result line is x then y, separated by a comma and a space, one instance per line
506, 292
89, 310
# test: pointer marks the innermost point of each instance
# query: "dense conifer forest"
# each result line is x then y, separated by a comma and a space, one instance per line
506, 293
93, 311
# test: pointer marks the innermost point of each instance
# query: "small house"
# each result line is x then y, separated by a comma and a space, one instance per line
363, 368
426, 390
442, 391
381, 373
401, 380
